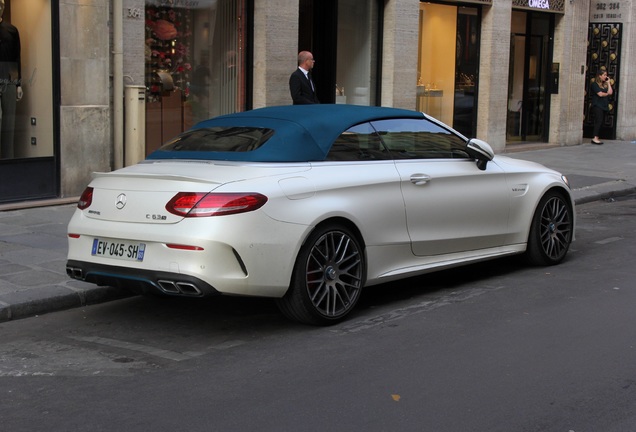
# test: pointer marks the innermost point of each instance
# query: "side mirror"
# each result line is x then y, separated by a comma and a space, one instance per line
481, 151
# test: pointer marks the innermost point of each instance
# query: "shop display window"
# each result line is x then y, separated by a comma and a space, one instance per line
356, 62
195, 54
26, 87
448, 61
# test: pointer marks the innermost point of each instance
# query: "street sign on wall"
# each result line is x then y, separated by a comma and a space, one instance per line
609, 11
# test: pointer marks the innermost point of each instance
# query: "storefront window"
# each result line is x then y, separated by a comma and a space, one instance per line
448, 63
355, 63
194, 64
26, 108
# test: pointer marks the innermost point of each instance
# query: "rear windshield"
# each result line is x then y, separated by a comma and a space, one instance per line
220, 139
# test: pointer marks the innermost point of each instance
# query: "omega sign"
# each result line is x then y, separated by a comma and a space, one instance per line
539, 4
554, 6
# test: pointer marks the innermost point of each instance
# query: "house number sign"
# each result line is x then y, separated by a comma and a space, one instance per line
608, 11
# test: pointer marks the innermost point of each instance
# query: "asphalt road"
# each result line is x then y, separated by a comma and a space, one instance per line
491, 347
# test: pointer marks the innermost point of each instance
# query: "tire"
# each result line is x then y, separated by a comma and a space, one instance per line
551, 230
327, 278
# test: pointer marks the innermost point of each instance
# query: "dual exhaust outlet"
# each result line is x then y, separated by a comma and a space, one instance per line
179, 288
166, 286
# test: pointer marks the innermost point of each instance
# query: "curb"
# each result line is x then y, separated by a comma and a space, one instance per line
33, 302
603, 191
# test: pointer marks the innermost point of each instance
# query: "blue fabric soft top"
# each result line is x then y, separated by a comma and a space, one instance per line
301, 132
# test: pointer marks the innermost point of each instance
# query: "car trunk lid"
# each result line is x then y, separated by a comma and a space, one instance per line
139, 193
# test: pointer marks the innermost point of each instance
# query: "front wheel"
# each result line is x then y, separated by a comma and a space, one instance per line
551, 230
327, 278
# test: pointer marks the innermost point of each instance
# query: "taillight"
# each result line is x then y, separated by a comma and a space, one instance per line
200, 204
86, 199
184, 247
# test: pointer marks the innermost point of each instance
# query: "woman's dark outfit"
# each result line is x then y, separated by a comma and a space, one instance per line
600, 105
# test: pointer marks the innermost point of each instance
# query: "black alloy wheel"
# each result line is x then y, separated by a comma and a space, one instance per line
551, 230
328, 277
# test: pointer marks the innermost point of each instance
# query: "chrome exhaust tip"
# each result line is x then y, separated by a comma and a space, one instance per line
179, 288
75, 273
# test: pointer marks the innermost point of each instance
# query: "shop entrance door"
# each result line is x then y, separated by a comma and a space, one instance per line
528, 79
603, 54
318, 32
343, 36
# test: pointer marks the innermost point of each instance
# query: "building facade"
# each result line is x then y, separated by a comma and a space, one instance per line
103, 83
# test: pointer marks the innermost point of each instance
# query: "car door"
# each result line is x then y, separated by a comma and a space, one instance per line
451, 205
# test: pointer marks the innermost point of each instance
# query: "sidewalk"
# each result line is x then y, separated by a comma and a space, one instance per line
595, 172
33, 276
33, 241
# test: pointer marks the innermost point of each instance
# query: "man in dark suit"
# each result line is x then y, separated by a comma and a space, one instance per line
301, 86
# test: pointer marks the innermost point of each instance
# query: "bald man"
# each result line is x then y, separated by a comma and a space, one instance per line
301, 86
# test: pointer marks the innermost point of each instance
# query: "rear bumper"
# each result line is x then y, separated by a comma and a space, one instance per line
250, 255
140, 281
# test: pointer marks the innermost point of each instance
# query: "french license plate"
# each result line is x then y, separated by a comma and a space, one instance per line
118, 249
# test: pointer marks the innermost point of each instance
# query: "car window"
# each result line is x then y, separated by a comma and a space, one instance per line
220, 139
419, 139
358, 143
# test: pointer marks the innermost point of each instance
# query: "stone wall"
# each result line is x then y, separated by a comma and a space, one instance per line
134, 35
275, 50
399, 59
494, 58
570, 49
626, 122
85, 117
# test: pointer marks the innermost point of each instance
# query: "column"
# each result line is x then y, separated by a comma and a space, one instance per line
275, 50
493, 73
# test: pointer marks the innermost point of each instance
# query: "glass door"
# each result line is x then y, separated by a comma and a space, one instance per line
515, 87
528, 85
536, 94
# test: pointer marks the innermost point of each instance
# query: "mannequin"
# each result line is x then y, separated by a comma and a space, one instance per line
10, 82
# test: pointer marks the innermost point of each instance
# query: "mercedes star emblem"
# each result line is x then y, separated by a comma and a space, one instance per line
121, 201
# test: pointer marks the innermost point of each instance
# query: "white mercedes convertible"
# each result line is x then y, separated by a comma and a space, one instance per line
310, 204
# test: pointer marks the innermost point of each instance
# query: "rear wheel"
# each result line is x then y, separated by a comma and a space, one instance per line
551, 230
327, 278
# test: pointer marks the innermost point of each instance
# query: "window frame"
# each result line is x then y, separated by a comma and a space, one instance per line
415, 139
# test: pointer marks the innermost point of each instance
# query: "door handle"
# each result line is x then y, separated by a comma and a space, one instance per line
420, 179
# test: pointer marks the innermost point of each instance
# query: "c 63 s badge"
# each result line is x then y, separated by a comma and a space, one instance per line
156, 216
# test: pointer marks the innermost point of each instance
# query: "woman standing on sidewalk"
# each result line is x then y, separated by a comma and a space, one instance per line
601, 89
